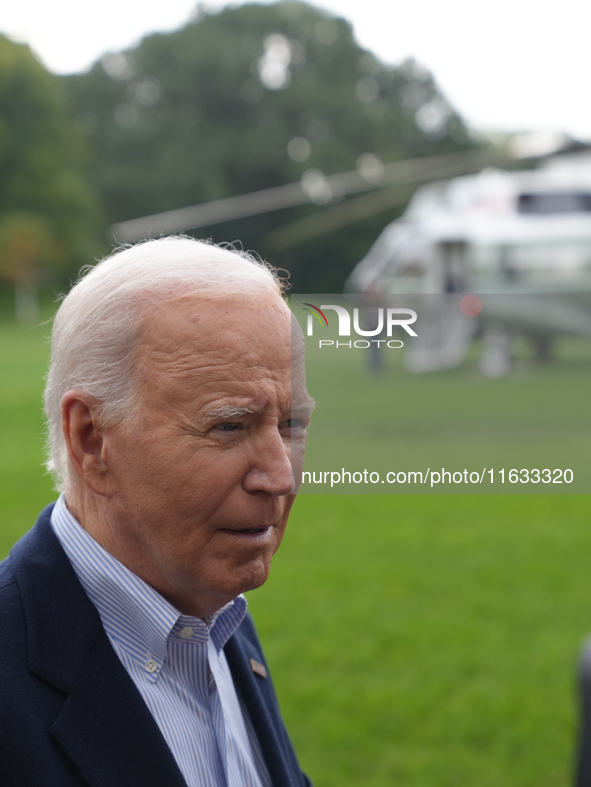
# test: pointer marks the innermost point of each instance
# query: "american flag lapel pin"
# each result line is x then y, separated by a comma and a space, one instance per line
258, 668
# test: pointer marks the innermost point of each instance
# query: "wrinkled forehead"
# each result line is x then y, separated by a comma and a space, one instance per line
200, 337
204, 319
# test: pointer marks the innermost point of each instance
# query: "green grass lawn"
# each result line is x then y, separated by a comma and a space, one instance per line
431, 640
24, 487
415, 640
536, 418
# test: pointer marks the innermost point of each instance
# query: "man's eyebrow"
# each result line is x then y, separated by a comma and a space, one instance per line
308, 406
227, 411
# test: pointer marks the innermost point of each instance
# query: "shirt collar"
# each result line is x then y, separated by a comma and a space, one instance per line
134, 615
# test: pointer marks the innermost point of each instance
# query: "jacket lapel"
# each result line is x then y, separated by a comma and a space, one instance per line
259, 697
107, 730
104, 727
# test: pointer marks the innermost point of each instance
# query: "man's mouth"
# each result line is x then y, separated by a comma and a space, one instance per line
251, 533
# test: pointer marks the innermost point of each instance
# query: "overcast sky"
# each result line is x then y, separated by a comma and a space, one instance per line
508, 64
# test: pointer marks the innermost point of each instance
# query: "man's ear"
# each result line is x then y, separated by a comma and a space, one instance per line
85, 441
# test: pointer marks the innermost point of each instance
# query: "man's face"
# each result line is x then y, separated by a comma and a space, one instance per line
204, 482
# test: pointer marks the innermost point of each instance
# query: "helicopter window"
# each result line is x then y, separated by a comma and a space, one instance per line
554, 202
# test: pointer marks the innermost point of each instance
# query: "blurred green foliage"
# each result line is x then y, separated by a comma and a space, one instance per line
48, 214
209, 111
246, 99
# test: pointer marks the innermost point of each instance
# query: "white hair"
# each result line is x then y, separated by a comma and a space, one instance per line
99, 323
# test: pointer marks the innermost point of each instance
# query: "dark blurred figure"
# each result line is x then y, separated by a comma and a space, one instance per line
583, 773
372, 302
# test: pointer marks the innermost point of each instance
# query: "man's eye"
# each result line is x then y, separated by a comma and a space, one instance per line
294, 424
228, 427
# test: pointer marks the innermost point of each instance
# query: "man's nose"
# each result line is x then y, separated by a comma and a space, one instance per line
270, 469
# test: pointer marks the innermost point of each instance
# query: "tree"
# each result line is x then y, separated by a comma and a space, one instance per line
254, 97
47, 213
27, 247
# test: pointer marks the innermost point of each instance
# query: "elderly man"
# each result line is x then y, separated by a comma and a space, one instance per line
176, 428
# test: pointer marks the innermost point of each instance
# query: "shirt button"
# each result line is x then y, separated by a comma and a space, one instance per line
186, 632
151, 665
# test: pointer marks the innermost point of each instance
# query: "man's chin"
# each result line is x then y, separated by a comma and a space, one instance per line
243, 578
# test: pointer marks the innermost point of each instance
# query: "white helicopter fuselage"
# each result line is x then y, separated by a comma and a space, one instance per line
523, 234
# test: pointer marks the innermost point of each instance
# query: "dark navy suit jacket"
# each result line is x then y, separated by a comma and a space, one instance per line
70, 715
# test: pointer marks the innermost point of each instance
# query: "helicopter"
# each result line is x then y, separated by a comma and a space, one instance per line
520, 241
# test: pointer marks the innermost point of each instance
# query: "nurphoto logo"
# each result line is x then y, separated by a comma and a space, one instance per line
387, 320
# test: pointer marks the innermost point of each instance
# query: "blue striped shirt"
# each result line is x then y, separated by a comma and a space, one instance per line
175, 661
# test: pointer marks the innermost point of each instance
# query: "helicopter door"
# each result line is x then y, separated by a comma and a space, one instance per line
454, 266
448, 269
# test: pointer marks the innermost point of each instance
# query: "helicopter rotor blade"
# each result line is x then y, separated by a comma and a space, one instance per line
337, 216
319, 189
